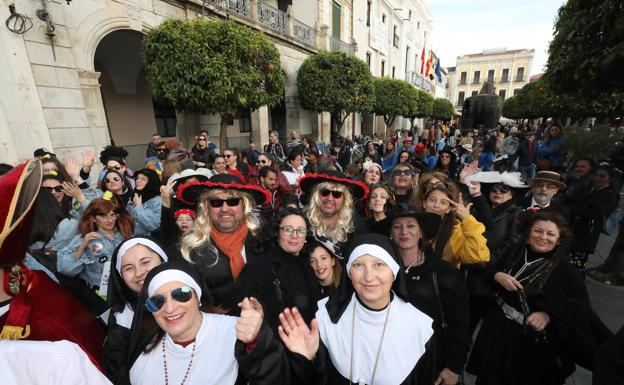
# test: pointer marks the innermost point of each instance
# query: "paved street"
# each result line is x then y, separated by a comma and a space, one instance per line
608, 302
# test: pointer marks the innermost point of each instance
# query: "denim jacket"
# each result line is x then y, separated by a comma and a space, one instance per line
90, 265
146, 216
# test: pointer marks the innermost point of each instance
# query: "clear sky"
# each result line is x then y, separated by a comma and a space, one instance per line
469, 26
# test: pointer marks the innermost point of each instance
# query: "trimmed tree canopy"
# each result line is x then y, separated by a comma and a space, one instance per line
586, 55
392, 98
336, 83
442, 109
214, 67
420, 105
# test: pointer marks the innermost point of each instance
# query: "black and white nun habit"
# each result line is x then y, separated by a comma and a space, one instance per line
404, 342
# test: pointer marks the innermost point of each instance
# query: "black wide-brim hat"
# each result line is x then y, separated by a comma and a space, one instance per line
429, 222
359, 190
189, 193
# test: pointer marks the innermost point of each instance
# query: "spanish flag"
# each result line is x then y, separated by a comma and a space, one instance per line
429, 64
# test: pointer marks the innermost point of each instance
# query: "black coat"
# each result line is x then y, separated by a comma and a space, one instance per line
217, 276
501, 225
279, 280
452, 304
524, 157
202, 155
115, 349
589, 208
555, 206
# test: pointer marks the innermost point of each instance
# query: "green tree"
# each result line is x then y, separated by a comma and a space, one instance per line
510, 108
420, 105
336, 83
442, 109
212, 67
586, 54
392, 98
596, 143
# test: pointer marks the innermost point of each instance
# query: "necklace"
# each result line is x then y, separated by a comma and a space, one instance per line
188, 369
418, 261
383, 332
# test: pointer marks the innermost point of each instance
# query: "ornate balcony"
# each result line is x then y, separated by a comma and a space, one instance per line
242, 7
337, 45
304, 33
273, 17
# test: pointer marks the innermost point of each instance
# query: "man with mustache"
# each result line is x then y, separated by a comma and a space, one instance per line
544, 186
331, 207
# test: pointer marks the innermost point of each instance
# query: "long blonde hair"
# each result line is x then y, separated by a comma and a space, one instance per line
199, 239
343, 226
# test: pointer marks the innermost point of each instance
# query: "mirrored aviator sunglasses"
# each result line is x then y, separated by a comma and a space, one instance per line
156, 302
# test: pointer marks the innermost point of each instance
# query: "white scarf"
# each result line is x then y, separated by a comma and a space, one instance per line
213, 362
407, 332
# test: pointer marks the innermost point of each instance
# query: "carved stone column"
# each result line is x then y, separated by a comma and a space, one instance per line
260, 127
94, 108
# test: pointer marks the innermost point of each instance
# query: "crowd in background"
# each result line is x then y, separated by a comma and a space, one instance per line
484, 230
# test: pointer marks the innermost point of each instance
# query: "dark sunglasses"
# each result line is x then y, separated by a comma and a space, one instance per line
58, 188
231, 202
112, 179
201, 139
156, 302
501, 189
406, 172
162, 150
325, 193
229, 155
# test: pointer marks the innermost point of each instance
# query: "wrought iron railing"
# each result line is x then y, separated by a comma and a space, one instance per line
273, 17
304, 33
242, 7
337, 45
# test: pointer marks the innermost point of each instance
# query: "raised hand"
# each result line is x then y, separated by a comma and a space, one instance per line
88, 159
507, 281
462, 211
166, 192
70, 189
72, 166
296, 335
250, 321
467, 171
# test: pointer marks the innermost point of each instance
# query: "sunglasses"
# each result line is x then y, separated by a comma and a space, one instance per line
501, 189
336, 194
289, 230
162, 150
156, 302
58, 188
231, 202
201, 139
228, 156
113, 179
403, 172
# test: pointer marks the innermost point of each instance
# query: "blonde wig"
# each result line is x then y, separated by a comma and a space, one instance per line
198, 240
343, 226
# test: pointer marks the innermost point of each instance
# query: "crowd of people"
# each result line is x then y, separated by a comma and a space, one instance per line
409, 260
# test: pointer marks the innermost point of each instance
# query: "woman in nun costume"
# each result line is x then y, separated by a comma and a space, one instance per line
367, 332
131, 262
179, 337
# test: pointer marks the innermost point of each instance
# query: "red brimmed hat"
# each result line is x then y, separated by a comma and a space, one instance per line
359, 190
189, 193
19, 189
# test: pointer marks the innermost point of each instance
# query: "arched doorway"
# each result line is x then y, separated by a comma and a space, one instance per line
131, 114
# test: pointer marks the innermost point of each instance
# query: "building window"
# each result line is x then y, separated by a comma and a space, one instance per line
474, 93
477, 77
407, 55
502, 93
409, 15
395, 37
383, 18
369, 6
383, 68
460, 98
245, 120
490, 75
463, 77
368, 59
418, 26
517, 91
393, 71
505, 76
165, 117
520, 74
336, 11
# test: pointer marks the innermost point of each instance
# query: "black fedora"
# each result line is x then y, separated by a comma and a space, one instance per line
189, 193
359, 190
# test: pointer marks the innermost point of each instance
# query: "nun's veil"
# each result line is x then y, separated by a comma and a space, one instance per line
145, 331
340, 298
119, 294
